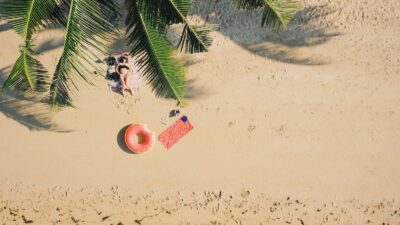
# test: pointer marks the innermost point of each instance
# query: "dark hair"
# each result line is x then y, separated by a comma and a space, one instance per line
120, 67
122, 59
113, 76
111, 61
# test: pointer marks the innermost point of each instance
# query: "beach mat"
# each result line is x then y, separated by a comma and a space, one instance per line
134, 83
175, 132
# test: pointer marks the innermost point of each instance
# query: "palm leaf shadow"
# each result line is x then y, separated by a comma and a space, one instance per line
194, 91
304, 31
49, 45
28, 110
4, 27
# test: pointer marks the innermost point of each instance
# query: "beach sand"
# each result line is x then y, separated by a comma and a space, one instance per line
301, 127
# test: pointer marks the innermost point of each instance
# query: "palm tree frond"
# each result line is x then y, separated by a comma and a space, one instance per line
196, 38
249, 4
58, 14
110, 10
278, 13
28, 73
25, 17
155, 55
161, 13
87, 33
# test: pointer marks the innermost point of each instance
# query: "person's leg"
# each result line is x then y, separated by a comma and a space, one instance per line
128, 80
122, 84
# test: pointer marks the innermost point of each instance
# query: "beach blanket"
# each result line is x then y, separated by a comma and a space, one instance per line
175, 132
134, 83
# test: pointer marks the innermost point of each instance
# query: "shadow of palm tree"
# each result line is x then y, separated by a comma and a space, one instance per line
30, 111
305, 30
288, 46
50, 45
4, 27
193, 91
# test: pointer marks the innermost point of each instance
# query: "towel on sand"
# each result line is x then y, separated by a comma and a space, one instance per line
134, 83
175, 132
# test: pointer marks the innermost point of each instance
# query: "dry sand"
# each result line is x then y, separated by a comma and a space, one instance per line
301, 127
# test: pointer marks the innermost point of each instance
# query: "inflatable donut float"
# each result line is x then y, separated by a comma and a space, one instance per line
138, 138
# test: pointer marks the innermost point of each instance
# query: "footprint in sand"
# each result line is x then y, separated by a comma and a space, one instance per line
281, 130
251, 128
245, 193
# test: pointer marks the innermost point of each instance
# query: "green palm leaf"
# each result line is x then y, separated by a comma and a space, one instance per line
59, 12
87, 32
27, 73
249, 4
196, 38
276, 13
161, 13
155, 55
25, 17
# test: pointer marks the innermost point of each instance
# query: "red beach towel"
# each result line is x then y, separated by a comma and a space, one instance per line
175, 132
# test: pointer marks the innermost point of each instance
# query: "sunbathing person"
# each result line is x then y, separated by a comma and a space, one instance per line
124, 78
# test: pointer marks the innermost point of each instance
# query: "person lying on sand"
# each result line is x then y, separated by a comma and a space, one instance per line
124, 78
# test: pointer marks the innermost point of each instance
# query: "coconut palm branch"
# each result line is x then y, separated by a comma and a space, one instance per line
89, 28
27, 73
87, 33
249, 4
26, 16
59, 13
161, 13
276, 13
155, 55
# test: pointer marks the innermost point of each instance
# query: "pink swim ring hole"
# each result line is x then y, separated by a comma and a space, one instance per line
138, 138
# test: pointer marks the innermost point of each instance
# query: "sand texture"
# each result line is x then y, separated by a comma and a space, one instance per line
87, 205
300, 127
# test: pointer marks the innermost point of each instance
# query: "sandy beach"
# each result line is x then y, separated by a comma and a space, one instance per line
300, 127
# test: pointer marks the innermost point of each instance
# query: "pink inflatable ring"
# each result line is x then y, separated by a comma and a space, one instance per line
138, 138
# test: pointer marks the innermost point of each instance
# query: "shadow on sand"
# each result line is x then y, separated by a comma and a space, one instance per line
121, 141
309, 28
244, 27
30, 111
4, 27
50, 45
193, 91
